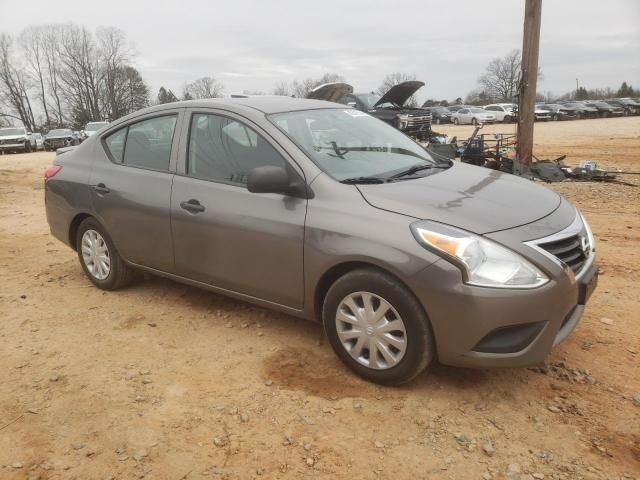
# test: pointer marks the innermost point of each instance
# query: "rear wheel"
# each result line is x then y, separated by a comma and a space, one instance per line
377, 327
474, 121
99, 258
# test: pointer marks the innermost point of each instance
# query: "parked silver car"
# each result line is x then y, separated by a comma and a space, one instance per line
473, 115
324, 212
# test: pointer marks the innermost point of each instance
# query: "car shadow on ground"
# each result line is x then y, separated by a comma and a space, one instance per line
302, 357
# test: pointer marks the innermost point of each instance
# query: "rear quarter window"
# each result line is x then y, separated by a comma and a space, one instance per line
115, 144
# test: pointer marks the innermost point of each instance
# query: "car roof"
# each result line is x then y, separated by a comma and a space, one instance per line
266, 104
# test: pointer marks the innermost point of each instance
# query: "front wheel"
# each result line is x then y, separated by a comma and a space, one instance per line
474, 122
377, 327
456, 121
99, 259
507, 119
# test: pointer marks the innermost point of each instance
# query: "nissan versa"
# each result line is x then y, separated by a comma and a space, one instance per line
324, 212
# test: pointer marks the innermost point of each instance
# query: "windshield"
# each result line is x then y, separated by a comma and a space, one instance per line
59, 132
350, 143
369, 99
92, 127
12, 131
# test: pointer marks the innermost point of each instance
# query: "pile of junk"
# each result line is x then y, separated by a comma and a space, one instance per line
497, 151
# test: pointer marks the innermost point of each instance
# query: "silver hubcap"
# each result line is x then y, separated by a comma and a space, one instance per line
96, 254
371, 330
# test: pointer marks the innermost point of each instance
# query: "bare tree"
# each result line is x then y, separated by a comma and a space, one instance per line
52, 39
80, 74
501, 78
282, 88
14, 84
205, 87
32, 41
114, 55
394, 79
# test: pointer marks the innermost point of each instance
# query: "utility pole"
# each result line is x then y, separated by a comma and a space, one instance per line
528, 80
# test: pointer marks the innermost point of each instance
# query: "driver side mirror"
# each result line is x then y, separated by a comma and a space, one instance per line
273, 179
268, 179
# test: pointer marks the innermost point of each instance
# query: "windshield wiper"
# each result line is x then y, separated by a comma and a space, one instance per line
417, 168
363, 180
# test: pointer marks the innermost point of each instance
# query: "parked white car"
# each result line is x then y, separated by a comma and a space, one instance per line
504, 112
16, 139
473, 115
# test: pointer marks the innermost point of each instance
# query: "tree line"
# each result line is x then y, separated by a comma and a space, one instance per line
68, 74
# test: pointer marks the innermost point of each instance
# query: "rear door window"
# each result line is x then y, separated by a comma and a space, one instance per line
145, 144
148, 143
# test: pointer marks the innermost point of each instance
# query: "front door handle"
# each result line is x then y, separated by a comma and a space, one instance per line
101, 188
192, 206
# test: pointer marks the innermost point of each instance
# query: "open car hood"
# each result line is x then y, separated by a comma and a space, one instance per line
400, 93
330, 91
476, 199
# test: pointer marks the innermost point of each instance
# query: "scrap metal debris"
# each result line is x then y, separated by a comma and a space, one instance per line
497, 151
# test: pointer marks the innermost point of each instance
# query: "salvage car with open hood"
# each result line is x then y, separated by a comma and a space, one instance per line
390, 107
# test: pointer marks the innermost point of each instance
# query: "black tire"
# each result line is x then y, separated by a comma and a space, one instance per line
120, 274
474, 122
605, 114
27, 147
420, 344
507, 119
438, 121
554, 117
456, 121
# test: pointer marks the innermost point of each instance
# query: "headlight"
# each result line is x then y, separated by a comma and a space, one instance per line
590, 237
403, 120
483, 262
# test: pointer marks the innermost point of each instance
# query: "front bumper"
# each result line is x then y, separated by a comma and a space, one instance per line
492, 327
13, 146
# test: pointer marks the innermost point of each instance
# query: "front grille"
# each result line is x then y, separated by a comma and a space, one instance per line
417, 121
573, 251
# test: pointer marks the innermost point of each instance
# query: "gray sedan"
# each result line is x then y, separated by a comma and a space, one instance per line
324, 212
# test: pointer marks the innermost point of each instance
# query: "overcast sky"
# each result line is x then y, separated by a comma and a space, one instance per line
252, 45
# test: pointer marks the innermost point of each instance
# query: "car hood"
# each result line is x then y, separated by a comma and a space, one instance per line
400, 93
330, 91
476, 199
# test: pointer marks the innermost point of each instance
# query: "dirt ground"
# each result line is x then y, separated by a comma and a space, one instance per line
166, 381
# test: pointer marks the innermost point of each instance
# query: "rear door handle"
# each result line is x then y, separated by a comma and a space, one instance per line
192, 206
101, 188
